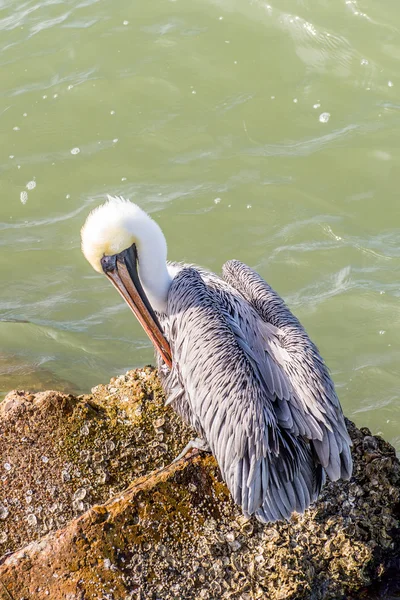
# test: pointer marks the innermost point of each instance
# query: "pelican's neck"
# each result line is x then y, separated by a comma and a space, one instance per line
152, 266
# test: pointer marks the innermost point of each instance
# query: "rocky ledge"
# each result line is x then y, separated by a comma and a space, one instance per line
92, 508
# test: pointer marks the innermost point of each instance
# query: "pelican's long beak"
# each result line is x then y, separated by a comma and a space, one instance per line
121, 270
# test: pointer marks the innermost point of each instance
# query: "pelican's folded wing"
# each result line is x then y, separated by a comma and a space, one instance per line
269, 470
313, 409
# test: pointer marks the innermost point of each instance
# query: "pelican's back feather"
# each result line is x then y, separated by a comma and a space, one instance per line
230, 382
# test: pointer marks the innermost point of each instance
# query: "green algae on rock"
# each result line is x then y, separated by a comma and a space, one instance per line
174, 533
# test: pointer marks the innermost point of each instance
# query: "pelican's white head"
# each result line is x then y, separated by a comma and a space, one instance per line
118, 225
120, 240
115, 226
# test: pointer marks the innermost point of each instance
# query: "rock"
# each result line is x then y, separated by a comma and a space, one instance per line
56, 445
173, 532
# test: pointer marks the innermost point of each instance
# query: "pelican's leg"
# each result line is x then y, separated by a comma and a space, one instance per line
197, 443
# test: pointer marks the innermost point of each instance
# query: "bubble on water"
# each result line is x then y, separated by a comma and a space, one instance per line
3, 512
11, 156
112, 112
390, 83
382, 332
44, 97
18, 166
80, 494
75, 150
295, 100
31, 185
194, 92
217, 200
23, 197
68, 196
25, 115
32, 520
220, 18
248, 206
382, 155
125, 22
316, 105
324, 117
70, 87
115, 140
272, 97
45, 459
7, 466
55, 95
235, 62
123, 178
16, 128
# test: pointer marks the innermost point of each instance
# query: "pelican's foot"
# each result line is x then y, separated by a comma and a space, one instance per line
198, 443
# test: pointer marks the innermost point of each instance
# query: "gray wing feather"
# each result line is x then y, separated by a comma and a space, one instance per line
313, 409
232, 388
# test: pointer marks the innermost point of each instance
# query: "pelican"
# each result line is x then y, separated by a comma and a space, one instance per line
234, 363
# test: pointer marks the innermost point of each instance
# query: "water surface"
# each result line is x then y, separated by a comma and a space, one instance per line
267, 132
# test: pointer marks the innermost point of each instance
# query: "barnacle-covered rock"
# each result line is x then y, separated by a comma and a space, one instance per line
91, 507
64, 454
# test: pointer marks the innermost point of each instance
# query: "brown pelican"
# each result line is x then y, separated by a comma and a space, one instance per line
234, 362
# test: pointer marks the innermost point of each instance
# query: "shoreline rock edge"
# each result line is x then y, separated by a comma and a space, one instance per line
80, 518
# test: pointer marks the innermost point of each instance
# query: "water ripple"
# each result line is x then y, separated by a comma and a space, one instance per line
304, 147
46, 221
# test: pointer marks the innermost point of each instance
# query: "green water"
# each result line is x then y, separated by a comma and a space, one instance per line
208, 114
